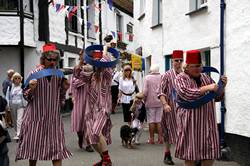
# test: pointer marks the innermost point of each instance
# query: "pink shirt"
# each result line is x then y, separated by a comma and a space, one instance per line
151, 88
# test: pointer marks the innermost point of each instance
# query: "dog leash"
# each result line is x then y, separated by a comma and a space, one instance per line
204, 99
44, 73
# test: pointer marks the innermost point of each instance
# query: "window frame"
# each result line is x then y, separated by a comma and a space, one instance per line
197, 6
72, 25
142, 9
157, 14
130, 26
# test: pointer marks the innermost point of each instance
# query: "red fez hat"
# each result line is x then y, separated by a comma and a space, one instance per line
177, 54
193, 57
49, 47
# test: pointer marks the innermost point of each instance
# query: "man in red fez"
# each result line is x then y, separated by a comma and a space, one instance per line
42, 132
169, 123
198, 137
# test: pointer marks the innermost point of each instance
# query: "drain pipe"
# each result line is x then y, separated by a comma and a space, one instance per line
223, 106
21, 42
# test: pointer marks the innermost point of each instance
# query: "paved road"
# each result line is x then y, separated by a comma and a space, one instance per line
142, 155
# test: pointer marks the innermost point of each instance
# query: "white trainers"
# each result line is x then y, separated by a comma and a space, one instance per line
16, 138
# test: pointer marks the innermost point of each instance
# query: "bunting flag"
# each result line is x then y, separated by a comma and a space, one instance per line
110, 2
58, 6
119, 36
130, 37
113, 33
72, 12
96, 28
88, 25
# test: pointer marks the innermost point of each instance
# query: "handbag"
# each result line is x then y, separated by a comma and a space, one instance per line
8, 118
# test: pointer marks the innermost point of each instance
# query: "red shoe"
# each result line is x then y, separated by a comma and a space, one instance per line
107, 163
98, 164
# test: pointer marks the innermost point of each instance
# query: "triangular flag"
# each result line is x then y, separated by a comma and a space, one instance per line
110, 2
88, 25
58, 6
70, 8
72, 12
119, 36
131, 36
96, 28
113, 33
61, 8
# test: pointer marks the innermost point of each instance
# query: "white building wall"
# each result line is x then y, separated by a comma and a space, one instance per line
57, 25
200, 31
237, 67
9, 58
9, 30
149, 39
109, 24
29, 34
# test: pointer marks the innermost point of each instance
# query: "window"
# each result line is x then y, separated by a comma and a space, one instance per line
157, 13
130, 28
8, 4
142, 7
72, 62
91, 19
205, 58
72, 22
196, 4
148, 63
119, 23
28, 6
168, 62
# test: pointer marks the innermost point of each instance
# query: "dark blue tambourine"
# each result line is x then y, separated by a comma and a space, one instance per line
97, 63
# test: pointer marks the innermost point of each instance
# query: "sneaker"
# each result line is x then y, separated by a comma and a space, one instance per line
16, 138
89, 149
168, 160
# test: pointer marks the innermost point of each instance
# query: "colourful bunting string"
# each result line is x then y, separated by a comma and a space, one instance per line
96, 28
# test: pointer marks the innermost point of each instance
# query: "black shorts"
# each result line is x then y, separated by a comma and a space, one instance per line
114, 93
126, 111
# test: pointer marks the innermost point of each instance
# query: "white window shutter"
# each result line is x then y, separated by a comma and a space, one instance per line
199, 3
192, 5
91, 19
155, 16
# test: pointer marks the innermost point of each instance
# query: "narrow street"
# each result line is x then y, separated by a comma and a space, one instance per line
142, 155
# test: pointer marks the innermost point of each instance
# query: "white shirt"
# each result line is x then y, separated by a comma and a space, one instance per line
115, 79
15, 96
127, 86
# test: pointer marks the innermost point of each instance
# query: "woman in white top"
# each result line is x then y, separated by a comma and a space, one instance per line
127, 88
16, 102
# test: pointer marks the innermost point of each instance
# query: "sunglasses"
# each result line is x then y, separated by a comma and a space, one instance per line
51, 59
178, 60
17, 78
127, 70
